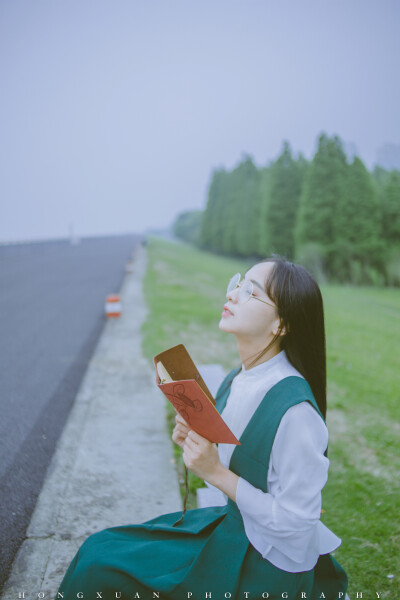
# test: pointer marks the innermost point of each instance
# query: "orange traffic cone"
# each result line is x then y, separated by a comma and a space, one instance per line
113, 306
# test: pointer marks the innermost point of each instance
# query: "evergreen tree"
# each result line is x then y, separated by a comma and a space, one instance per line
265, 195
246, 182
187, 226
212, 221
358, 227
322, 197
390, 202
285, 189
232, 215
340, 220
391, 210
228, 215
380, 178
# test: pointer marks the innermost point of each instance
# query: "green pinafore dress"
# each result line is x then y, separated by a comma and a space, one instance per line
208, 552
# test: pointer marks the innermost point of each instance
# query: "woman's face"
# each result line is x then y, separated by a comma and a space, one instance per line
252, 321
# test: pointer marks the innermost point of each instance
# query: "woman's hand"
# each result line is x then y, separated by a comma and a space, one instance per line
180, 431
201, 456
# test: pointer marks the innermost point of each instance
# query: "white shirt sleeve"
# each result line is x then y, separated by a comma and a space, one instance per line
282, 523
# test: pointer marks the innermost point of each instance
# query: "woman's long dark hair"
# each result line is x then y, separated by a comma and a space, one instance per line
299, 303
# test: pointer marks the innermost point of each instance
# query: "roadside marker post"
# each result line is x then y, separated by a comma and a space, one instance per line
113, 307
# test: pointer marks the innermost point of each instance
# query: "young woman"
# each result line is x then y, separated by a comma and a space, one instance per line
263, 537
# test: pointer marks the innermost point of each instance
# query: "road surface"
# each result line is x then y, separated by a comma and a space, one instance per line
52, 298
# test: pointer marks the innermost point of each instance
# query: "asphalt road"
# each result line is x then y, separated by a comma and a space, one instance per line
52, 297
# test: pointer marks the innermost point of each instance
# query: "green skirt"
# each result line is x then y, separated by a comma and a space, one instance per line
207, 553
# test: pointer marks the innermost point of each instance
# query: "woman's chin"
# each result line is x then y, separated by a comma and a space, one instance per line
224, 325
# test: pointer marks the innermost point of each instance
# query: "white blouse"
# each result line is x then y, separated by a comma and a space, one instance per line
283, 524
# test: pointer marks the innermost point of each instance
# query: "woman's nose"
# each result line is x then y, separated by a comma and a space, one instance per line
232, 295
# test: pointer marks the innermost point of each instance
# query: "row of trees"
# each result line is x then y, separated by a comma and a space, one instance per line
335, 217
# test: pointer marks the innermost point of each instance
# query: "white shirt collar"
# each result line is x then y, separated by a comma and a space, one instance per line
262, 369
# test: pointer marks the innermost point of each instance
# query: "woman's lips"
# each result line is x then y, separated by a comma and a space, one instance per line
226, 312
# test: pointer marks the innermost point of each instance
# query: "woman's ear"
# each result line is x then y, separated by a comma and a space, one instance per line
279, 328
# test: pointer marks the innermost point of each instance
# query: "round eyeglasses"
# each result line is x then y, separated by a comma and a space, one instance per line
245, 290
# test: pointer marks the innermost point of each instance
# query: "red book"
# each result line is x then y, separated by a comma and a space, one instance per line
182, 384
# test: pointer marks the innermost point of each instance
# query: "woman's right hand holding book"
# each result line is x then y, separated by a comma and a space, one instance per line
180, 431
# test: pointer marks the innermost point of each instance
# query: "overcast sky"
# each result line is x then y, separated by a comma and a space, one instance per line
113, 113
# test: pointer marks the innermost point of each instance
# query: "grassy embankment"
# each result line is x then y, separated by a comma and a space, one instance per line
185, 291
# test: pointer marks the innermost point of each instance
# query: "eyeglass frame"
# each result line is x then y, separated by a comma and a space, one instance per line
250, 283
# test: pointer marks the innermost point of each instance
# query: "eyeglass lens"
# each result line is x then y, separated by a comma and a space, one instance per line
245, 291
245, 288
233, 282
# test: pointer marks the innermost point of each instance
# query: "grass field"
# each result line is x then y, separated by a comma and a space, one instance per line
185, 292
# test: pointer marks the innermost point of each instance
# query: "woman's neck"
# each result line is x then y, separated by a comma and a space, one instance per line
248, 353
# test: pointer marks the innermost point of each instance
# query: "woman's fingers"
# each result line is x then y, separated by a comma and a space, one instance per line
191, 444
181, 420
196, 437
184, 430
196, 443
186, 437
179, 434
200, 455
179, 441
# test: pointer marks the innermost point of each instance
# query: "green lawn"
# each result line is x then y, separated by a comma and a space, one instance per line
185, 293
